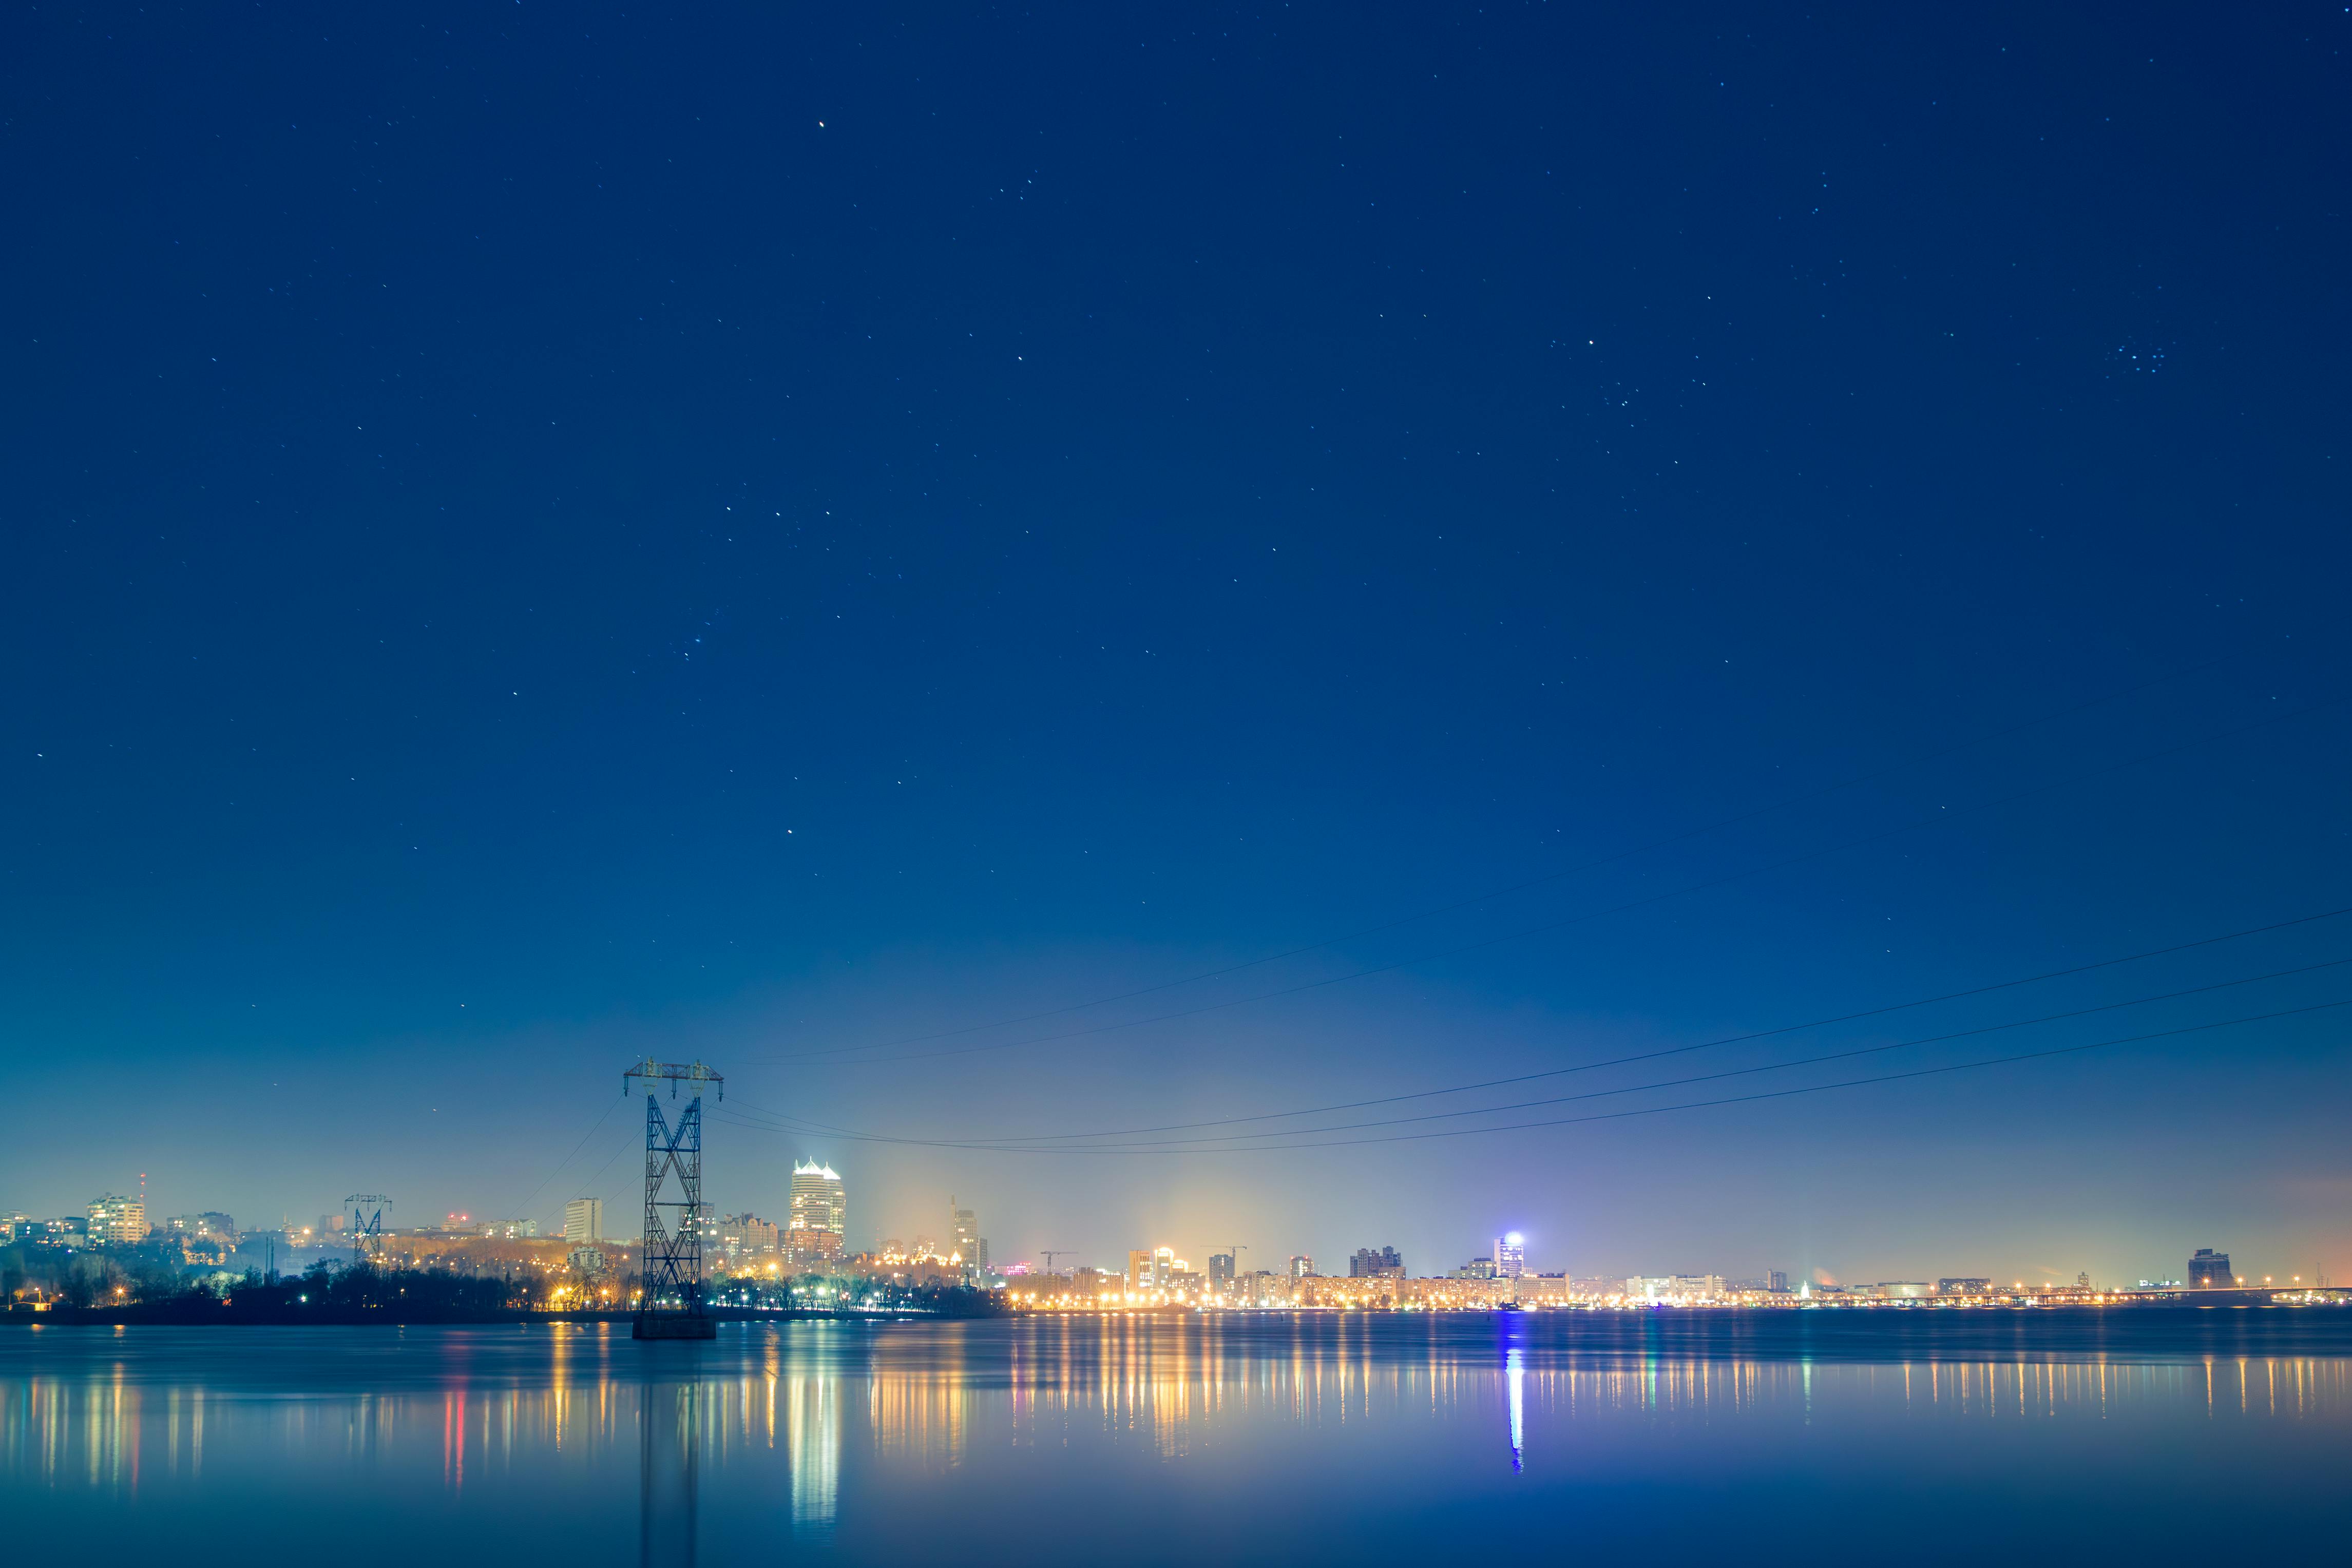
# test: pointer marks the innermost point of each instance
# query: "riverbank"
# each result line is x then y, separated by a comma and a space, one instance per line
177, 1314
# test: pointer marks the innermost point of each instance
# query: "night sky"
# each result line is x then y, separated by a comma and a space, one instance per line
897, 551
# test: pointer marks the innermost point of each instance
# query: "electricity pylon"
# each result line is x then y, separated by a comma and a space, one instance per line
671, 1305
363, 1218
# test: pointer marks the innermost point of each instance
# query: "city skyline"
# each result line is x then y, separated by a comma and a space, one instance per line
111, 1218
744, 1246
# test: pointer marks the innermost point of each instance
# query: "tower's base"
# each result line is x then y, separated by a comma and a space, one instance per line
673, 1326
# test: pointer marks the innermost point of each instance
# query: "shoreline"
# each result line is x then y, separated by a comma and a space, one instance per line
329, 1317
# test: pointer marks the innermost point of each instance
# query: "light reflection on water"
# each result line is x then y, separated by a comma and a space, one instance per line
861, 1439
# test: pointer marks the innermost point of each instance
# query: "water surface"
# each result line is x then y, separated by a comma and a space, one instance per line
1931, 1437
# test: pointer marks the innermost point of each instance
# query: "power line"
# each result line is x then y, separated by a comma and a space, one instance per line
1038, 1142
519, 1210
603, 1168
1710, 1044
1810, 1088
1944, 815
1234, 1137
1613, 1115
1550, 877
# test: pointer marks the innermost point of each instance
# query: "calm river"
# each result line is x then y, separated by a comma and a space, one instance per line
1735, 1438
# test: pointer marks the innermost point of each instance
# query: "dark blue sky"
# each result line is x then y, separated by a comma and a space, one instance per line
539, 533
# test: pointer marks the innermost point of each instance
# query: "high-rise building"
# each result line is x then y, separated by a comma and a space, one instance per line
1367, 1264
1776, 1279
1152, 1269
1301, 1266
2208, 1269
1510, 1255
117, 1219
584, 1221
821, 1247
963, 1231
1221, 1270
742, 1235
818, 1202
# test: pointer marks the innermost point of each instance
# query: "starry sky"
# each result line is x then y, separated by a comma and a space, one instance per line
1030, 582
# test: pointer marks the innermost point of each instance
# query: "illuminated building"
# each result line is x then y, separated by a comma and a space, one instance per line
208, 1237
121, 1221
1367, 1264
584, 1221
1301, 1266
1152, 1269
744, 1236
1675, 1288
1220, 1272
818, 1202
963, 1228
1481, 1294
1510, 1255
2208, 1269
812, 1245
1355, 1292
1543, 1290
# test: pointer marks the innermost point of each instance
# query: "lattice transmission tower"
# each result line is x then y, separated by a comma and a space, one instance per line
671, 1306
363, 1221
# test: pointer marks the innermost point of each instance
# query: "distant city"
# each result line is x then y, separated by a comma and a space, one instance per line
107, 1253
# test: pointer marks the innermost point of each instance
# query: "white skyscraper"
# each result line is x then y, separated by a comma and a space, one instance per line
818, 1202
1510, 1255
584, 1221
